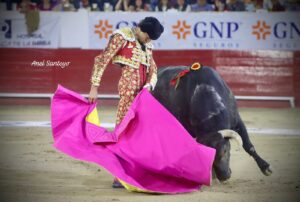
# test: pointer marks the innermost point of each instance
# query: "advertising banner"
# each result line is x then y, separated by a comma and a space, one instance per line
14, 32
207, 30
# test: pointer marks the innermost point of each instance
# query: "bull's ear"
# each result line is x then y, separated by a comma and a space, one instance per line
210, 139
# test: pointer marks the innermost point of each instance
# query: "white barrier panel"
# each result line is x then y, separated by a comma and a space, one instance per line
14, 31
74, 29
208, 30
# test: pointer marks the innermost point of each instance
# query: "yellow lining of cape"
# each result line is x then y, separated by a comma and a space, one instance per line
93, 117
130, 187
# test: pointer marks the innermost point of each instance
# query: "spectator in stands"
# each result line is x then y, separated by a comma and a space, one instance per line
163, 5
181, 5
81, 4
107, 7
201, 5
36, 2
26, 5
173, 3
235, 5
153, 4
112, 2
250, 5
96, 5
220, 5
274, 5
277, 6
9, 4
76, 3
259, 4
139, 5
123, 5
45, 5
64, 5
85, 4
292, 5
190, 2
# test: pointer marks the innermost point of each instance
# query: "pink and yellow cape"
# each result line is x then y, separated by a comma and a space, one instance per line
149, 151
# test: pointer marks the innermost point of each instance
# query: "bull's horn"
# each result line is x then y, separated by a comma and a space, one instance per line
232, 134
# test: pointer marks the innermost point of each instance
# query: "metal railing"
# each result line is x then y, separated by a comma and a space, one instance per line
50, 95
291, 100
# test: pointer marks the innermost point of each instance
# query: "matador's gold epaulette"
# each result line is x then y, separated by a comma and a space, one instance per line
126, 33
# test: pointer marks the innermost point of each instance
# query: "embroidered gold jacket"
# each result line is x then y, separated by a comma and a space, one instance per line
124, 49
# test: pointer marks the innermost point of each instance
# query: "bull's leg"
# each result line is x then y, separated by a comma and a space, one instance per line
249, 148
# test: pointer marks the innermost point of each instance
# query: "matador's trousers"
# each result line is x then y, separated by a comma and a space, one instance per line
130, 84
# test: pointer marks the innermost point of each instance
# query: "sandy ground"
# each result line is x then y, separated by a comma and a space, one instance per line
32, 170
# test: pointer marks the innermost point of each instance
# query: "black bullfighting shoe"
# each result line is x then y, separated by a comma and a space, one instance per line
117, 184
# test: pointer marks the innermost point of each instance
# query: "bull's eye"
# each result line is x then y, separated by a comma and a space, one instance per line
221, 155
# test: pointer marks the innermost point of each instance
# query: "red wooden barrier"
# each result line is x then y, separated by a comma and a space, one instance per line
269, 73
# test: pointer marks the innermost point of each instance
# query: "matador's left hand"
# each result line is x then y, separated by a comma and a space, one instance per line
148, 86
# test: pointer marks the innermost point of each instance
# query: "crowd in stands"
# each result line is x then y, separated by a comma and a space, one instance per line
153, 5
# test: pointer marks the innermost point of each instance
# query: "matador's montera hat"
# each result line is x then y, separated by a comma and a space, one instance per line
152, 27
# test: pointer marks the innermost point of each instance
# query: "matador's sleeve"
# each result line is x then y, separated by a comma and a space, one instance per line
152, 76
101, 61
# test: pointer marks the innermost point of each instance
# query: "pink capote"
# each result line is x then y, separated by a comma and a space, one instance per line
149, 149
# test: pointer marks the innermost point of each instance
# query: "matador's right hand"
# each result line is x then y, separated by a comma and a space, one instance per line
93, 94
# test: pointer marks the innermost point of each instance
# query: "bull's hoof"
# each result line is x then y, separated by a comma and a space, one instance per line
264, 167
225, 182
268, 171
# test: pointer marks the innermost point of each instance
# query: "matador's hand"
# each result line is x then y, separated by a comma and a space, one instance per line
93, 94
148, 86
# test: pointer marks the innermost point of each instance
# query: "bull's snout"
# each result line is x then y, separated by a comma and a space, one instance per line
224, 176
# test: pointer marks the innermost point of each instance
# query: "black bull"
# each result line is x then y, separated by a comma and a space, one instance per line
205, 105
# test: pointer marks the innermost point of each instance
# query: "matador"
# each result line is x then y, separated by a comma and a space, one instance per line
130, 48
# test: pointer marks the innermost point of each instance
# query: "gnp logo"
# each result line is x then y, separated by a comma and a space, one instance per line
103, 29
181, 29
6, 28
261, 30
280, 30
204, 30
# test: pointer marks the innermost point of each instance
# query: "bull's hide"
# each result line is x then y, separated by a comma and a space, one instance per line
149, 150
